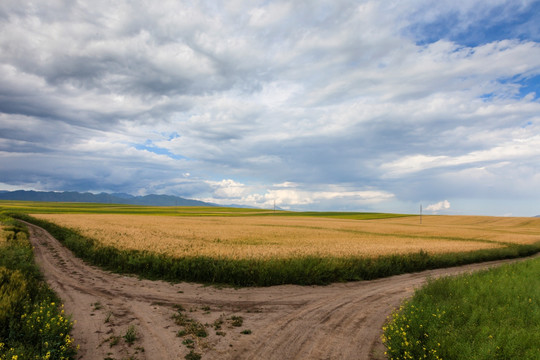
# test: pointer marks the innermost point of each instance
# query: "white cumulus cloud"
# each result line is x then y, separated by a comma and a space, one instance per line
441, 205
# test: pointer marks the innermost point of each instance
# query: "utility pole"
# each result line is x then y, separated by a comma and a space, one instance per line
420, 213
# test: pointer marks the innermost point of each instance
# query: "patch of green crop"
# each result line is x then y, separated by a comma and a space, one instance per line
37, 207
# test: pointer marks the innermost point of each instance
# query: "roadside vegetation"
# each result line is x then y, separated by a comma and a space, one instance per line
494, 314
316, 268
32, 322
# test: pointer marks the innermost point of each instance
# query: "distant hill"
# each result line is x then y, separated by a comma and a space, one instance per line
104, 198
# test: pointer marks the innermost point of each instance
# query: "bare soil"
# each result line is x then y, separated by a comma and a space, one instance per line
339, 321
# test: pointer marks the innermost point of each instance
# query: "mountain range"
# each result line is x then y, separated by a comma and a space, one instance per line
103, 198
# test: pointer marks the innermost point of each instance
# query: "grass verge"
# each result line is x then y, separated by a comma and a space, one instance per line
32, 324
307, 270
494, 314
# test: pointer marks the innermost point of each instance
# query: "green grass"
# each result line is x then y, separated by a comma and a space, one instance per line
131, 334
306, 270
32, 324
36, 207
490, 315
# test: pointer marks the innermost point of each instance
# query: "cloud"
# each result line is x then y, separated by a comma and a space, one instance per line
329, 105
228, 189
289, 195
441, 205
515, 149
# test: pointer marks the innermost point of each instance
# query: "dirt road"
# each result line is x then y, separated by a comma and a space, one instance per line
339, 321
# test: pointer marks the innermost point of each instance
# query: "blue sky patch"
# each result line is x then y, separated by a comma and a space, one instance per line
481, 26
149, 146
172, 136
522, 87
530, 85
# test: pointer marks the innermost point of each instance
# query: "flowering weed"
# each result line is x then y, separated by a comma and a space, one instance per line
493, 314
32, 324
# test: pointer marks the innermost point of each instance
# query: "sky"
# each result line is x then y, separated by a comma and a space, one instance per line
309, 105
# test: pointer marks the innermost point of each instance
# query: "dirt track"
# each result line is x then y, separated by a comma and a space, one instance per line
339, 321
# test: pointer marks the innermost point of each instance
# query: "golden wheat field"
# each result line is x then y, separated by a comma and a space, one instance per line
265, 237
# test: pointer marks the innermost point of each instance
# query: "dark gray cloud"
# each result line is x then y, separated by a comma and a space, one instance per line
327, 105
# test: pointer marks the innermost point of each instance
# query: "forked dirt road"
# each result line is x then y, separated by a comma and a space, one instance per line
339, 321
